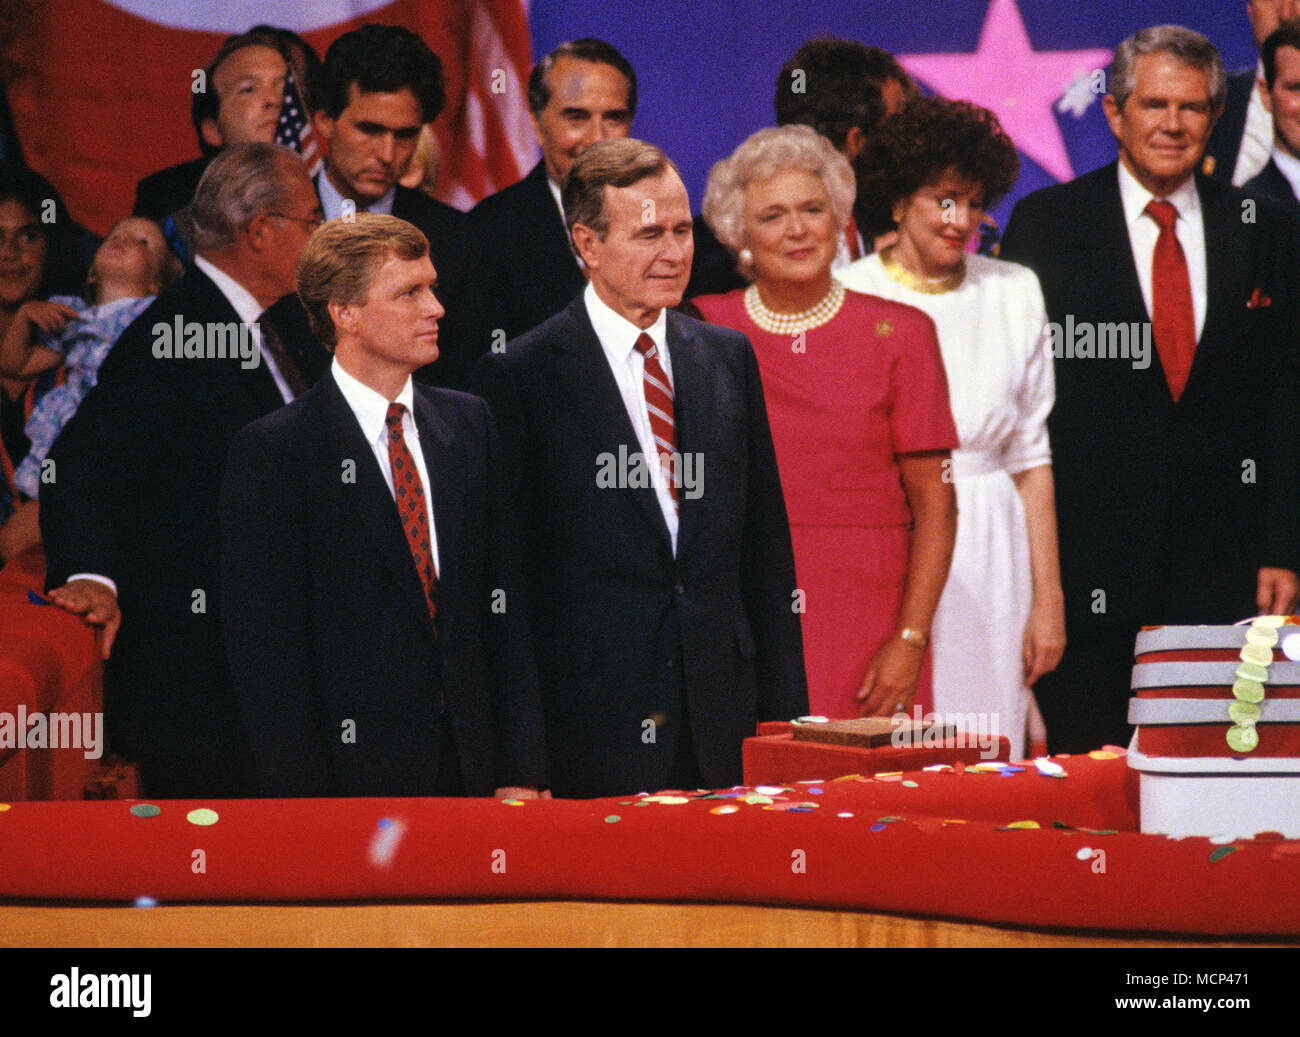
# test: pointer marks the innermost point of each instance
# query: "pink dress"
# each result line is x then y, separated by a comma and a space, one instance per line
843, 402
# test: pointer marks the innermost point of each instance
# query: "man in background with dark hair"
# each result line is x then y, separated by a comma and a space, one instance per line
1280, 177
1240, 141
525, 269
840, 88
243, 89
377, 86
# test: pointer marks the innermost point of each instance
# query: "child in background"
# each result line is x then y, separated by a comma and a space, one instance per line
132, 266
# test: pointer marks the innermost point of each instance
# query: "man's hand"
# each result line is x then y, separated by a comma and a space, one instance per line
94, 603
521, 792
1276, 591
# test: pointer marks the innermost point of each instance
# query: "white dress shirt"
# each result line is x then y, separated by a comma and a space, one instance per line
331, 202
249, 311
618, 337
1256, 137
371, 411
1143, 232
1289, 166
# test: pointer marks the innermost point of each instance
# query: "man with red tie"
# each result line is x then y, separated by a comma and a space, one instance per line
1176, 466
377, 639
656, 545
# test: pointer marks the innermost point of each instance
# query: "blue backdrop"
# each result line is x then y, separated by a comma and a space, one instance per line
707, 68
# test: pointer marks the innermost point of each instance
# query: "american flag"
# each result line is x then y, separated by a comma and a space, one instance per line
294, 130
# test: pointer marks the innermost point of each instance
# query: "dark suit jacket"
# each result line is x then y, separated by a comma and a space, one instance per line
138, 470
160, 194
1169, 509
1224, 144
524, 269
1272, 183
326, 619
621, 627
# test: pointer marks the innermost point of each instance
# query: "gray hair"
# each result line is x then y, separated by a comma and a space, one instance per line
762, 156
242, 182
1187, 46
617, 162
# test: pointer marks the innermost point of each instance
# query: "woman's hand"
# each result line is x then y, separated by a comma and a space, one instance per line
49, 317
1044, 637
889, 685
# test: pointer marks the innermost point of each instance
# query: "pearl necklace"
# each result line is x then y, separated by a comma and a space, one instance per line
793, 323
907, 279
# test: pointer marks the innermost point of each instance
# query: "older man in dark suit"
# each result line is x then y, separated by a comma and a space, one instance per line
525, 269
1175, 465
377, 639
656, 543
131, 515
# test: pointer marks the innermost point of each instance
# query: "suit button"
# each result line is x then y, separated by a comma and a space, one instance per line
670, 664
679, 589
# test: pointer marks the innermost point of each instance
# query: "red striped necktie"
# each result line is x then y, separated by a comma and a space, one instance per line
408, 490
659, 405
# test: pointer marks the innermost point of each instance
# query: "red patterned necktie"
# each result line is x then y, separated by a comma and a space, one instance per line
408, 490
659, 405
1173, 318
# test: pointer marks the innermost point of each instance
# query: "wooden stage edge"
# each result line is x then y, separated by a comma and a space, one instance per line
532, 923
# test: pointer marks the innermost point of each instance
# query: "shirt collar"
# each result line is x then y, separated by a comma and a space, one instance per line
248, 309
1289, 167
618, 334
1135, 197
559, 198
331, 202
370, 407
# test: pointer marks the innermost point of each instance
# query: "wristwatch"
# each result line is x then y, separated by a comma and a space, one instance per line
914, 637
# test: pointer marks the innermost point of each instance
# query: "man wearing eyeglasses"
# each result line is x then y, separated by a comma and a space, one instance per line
130, 518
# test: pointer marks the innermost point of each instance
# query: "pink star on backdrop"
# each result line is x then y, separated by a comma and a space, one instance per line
1017, 82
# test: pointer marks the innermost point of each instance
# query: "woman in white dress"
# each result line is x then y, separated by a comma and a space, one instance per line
929, 173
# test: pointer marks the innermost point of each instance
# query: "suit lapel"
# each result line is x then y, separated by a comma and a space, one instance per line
1117, 257
552, 238
446, 466
584, 375
376, 512
692, 397
256, 381
1225, 259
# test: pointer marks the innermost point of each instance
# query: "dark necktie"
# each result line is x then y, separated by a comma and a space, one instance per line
284, 361
659, 405
1173, 318
408, 490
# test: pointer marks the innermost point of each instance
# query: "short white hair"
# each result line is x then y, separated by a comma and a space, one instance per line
762, 156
